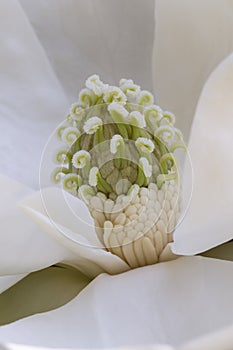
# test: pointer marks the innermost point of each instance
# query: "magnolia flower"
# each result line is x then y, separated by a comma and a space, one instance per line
170, 302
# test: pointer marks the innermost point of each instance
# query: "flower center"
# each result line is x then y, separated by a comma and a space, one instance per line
118, 157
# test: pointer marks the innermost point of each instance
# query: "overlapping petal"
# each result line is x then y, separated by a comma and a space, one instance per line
120, 311
208, 221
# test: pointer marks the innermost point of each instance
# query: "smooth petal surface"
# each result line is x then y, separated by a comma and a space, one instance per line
32, 101
23, 246
105, 37
222, 339
149, 305
24, 347
191, 38
208, 221
67, 220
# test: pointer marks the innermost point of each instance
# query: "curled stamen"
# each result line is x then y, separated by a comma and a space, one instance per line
96, 180
118, 112
170, 117
167, 162
60, 130
81, 159
162, 178
93, 176
120, 116
86, 192
130, 89
145, 98
133, 191
165, 133
72, 182
153, 114
116, 143
77, 112
96, 85
146, 166
63, 157
92, 125
70, 134
137, 119
87, 97
114, 94
58, 174
144, 145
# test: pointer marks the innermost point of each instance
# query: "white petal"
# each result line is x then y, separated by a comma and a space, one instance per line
32, 101
84, 39
208, 221
169, 303
67, 220
178, 80
23, 247
222, 339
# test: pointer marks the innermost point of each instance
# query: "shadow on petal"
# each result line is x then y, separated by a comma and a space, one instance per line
41, 291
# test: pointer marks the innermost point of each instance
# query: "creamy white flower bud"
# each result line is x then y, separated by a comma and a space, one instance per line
92, 125
144, 145
124, 170
116, 142
136, 118
81, 159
